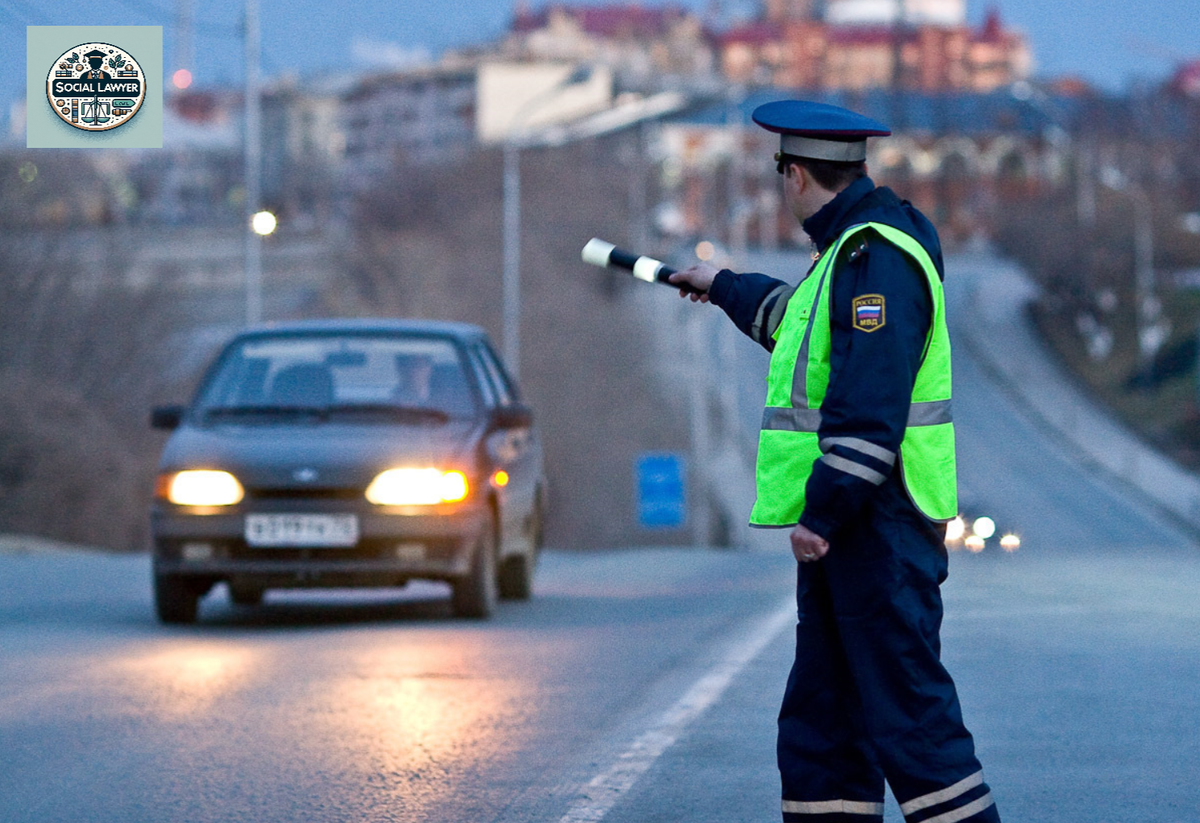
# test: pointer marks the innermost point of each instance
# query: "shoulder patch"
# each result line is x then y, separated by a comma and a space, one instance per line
869, 312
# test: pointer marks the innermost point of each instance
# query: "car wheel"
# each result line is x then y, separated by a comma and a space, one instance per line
176, 599
243, 595
475, 595
516, 577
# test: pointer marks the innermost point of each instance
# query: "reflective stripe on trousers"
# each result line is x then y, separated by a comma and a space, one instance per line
964, 808
832, 807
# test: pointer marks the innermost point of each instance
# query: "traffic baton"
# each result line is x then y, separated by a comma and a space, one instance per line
600, 253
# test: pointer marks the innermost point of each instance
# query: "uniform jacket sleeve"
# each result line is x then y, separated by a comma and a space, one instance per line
754, 302
865, 410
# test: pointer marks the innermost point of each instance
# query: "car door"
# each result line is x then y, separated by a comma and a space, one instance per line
518, 452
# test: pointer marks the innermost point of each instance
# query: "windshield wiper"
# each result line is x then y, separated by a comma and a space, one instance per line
391, 410
263, 411
323, 412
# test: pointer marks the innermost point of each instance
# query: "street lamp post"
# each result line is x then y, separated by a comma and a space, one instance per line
253, 168
511, 285
1152, 327
1058, 134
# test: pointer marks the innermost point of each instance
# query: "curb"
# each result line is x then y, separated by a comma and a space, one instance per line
27, 545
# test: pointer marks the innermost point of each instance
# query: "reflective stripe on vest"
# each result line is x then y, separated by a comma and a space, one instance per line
799, 378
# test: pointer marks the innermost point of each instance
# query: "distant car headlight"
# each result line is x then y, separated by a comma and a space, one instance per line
417, 487
985, 527
203, 487
955, 529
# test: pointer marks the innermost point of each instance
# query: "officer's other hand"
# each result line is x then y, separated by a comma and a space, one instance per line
807, 545
699, 276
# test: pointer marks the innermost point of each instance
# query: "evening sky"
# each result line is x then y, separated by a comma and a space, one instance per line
1108, 42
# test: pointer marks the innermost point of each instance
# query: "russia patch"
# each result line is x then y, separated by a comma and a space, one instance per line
869, 312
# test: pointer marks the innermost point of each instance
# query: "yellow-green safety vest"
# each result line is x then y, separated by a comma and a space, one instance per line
799, 378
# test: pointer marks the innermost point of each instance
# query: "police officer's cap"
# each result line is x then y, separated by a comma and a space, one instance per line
818, 131
95, 53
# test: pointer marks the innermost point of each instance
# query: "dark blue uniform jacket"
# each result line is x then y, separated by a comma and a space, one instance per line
872, 373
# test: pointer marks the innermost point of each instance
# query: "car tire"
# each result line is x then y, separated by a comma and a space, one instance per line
176, 599
475, 595
243, 595
516, 577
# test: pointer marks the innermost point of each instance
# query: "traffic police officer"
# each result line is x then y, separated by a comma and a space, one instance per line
856, 458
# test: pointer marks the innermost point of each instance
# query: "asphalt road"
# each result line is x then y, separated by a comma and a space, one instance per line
638, 685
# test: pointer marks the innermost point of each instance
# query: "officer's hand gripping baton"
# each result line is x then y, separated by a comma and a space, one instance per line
600, 253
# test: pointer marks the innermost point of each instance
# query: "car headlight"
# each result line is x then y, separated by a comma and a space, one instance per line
417, 487
955, 529
203, 487
985, 527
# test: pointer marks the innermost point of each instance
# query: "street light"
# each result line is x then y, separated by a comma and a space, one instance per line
1152, 327
511, 285
1058, 135
263, 223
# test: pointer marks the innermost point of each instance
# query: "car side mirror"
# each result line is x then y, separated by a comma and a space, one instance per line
512, 417
166, 417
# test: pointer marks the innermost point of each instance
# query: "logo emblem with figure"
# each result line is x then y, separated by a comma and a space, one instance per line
96, 87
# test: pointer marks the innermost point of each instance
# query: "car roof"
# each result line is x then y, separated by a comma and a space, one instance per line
367, 325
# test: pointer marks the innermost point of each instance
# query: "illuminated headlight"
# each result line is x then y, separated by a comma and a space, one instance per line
203, 487
417, 487
955, 529
985, 527
1010, 542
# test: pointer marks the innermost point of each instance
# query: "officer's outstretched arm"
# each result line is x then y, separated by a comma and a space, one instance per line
754, 302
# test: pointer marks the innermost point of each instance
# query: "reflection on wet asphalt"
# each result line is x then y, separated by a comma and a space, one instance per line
342, 705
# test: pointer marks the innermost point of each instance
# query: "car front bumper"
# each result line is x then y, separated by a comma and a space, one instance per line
393, 545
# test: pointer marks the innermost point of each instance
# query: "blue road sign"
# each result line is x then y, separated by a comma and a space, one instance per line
660, 490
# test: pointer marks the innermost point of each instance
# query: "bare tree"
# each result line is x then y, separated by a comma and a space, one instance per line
82, 356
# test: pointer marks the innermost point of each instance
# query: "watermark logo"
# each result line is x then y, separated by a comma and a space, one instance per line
96, 86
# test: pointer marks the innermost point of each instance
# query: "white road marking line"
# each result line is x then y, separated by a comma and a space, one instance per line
603, 791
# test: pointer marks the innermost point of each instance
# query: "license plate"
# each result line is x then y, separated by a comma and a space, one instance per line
301, 530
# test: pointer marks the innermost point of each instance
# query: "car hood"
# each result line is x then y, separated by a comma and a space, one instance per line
321, 455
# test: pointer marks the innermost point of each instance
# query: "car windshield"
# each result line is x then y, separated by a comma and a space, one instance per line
357, 377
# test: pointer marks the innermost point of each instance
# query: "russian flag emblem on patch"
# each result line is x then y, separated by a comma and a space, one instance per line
869, 312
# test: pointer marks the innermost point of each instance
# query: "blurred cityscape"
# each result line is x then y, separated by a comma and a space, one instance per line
124, 269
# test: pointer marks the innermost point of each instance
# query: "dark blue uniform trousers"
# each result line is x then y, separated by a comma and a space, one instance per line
868, 697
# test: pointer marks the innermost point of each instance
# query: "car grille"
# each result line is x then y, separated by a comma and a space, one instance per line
303, 494
373, 549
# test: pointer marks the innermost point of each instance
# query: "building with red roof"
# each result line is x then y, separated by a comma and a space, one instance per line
843, 45
794, 46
